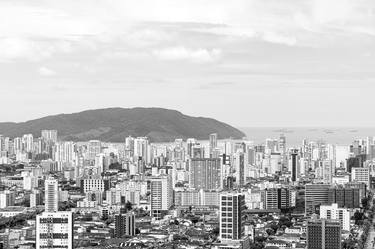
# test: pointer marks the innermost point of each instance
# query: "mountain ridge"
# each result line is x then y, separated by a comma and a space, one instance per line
114, 124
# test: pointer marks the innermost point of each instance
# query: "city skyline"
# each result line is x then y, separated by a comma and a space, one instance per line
187, 124
239, 62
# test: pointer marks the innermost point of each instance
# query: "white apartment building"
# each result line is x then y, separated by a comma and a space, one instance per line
361, 175
54, 230
335, 213
51, 195
161, 195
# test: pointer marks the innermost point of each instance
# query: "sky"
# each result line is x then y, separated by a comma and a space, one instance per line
245, 62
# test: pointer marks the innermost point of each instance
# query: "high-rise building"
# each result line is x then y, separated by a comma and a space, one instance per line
278, 198
272, 145
7, 198
161, 195
65, 152
232, 206
49, 135
36, 198
124, 225
342, 154
54, 230
129, 147
94, 148
141, 149
28, 142
315, 195
51, 199
239, 164
212, 143
293, 165
324, 234
271, 198
190, 142
361, 175
205, 173
17, 145
328, 171
335, 213
198, 151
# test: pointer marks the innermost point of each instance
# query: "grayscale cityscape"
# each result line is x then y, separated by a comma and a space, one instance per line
187, 124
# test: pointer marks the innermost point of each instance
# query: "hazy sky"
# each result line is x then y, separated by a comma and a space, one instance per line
245, 62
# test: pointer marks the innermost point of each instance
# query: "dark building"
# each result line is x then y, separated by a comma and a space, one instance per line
355, 162
283, 202
358, 185
344, 197
294, 159
277, 198
315, 195
124, 225
324, 234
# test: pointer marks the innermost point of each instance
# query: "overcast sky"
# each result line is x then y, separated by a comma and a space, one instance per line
245, 62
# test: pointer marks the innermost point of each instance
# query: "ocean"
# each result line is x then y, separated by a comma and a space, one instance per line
295, 135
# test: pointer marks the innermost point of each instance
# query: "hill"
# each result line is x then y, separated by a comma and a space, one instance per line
114, 124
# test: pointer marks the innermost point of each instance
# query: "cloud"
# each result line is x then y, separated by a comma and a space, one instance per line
278, 38
41, 29
13, 48
44, 71
192, 55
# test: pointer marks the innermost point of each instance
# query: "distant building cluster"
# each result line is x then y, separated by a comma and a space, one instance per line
218, 193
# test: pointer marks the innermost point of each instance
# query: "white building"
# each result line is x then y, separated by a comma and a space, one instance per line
54, 230
161, 195
50, 135
335, 213
342, 153
94, 148
51, 199
328, 171
94, 184
361, 175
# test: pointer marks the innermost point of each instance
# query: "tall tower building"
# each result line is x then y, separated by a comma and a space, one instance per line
293, 165
239, 163
54, 230
51, 200
324, 234
212, 143
205, 173
190, 142
28, 142
327, 167
232, 206
95, 148
129, 147
141, 149
124, 225
161, 195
